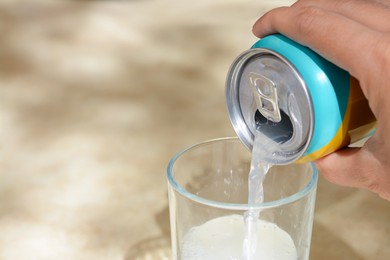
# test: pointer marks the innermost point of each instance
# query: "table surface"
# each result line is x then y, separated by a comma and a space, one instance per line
97, 96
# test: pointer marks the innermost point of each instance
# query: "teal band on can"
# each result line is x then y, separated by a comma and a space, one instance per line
329, 94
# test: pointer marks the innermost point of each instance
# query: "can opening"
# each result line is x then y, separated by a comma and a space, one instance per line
279, 132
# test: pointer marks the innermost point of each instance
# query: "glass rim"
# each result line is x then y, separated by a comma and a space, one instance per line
236, 206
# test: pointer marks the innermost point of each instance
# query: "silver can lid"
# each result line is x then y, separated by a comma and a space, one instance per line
266, 97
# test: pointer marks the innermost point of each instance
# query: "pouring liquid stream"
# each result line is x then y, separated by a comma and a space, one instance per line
258, 170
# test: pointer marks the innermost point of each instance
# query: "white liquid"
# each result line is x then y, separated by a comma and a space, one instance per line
258, 171
221, 239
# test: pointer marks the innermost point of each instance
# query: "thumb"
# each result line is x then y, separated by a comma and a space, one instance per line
356, 167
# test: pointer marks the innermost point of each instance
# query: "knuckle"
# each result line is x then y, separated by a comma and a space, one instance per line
381, 52
377, 55
308, 19
375, 185
375, 177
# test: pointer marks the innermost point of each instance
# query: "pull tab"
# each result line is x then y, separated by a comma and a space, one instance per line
266, 96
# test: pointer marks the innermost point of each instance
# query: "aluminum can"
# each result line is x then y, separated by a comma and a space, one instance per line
301, 106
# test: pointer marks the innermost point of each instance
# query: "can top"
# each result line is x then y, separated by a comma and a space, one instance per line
267, 98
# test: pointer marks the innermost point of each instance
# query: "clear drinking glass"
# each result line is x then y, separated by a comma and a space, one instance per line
208, 194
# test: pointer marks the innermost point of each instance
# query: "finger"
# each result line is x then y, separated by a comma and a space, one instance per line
356, 167
335, 37
358, 10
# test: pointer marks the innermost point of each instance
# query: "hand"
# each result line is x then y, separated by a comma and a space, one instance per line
355, 35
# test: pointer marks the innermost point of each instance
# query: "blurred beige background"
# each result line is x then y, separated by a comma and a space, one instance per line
96, 96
